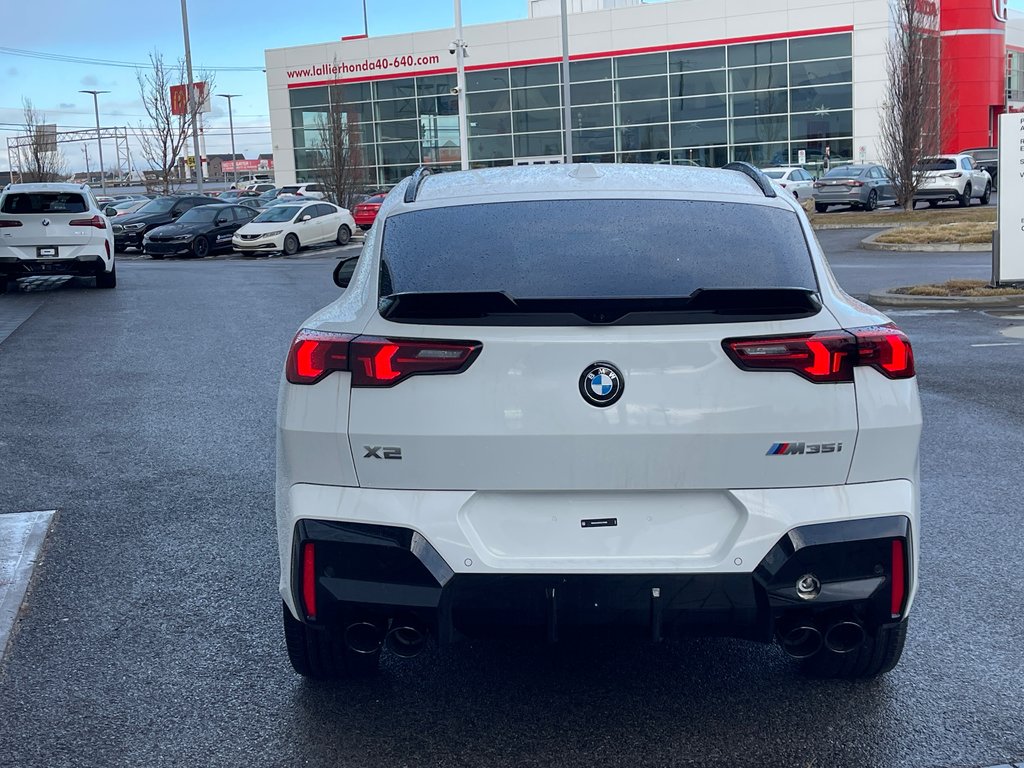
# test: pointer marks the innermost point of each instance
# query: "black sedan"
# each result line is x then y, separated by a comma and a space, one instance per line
198, 232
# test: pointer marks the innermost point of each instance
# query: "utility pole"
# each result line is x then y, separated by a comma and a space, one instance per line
366, 28
99, 142
459, 49
88, 172
193, 108
566, 104
231, 124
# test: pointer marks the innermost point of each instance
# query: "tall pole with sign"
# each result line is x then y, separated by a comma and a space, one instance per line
566, 104
99, 141
193, 108
1008, 253
459, 47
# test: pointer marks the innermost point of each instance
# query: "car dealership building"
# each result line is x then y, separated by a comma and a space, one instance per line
684, 81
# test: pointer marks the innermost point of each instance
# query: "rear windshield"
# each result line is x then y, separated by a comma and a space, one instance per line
160, 205
591, 249
984, 154
44, 202
378, 199
936, 164
844, 172
774, 174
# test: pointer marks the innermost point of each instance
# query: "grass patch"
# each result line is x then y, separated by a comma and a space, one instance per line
890, 217
962, 233
958, 288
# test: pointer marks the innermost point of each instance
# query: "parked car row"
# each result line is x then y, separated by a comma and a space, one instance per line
197, 226
943, 178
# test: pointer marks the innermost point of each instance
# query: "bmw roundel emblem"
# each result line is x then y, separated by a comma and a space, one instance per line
601, 384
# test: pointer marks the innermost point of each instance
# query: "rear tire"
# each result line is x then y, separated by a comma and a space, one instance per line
291, 245
107, 279
344, 235
320, 654
985, 198
5, 284
872, 202
878, 654
156, 256
965, 199
364, 227
820, 207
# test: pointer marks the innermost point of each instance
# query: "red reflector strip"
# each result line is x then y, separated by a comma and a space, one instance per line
309, 579
899, 577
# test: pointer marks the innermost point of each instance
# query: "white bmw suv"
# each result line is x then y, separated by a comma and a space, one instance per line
54, 229
581, 399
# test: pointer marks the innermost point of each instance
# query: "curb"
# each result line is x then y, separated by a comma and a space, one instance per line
816, 227
887, 298
869, 244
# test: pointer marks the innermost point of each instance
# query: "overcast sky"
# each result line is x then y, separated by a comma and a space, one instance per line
224, 33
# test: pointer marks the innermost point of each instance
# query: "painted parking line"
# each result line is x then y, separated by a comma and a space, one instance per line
21, 540
14, 313
1001, 344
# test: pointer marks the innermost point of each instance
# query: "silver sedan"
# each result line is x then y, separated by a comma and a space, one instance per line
860, 186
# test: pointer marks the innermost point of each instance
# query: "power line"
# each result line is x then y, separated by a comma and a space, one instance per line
107, 62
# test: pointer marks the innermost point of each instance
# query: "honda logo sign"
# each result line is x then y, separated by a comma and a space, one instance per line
999, 10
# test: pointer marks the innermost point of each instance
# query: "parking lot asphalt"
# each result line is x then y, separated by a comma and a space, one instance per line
151, 634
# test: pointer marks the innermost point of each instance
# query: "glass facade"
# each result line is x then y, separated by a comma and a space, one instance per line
1015, 76
759, 102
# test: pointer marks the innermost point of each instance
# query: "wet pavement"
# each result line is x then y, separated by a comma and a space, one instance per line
151, 635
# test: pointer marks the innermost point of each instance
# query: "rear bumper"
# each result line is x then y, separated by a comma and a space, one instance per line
82, 266
838, 198
465, 566
937, 193
386, 573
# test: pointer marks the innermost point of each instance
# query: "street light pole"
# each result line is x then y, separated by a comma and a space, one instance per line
193, 108
366, 27
99, 142
231, 125
460, 84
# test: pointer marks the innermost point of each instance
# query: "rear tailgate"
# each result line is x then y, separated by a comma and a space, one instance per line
47, 225
688, 416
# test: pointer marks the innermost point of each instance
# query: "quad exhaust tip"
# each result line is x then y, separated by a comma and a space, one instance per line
844, 636
365, 636
406, 639
801, 641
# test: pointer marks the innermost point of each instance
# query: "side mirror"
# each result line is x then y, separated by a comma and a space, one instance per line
307, 217
110, 212
343, 271
222, 220
176, 213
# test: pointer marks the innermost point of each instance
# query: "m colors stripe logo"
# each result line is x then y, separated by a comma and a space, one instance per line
803, 449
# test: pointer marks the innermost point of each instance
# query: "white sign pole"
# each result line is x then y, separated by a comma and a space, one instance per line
1008, 256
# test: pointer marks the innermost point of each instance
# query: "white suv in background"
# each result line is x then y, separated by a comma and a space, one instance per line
54, 229
311, 191
690, 432
952, 177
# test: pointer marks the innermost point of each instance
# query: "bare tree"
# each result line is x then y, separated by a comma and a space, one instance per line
911, 122
163, 140
39, 157
337, 155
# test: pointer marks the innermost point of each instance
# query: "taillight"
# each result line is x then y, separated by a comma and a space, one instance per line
856, 183
829, 356
818, 185
309, 579
315, 354
886, 349
953, 175
96, 221
374, 361
898, 590
9, 223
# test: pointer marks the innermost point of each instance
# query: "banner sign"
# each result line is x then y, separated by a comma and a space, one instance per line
229, 166
179, 99
1008, 257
